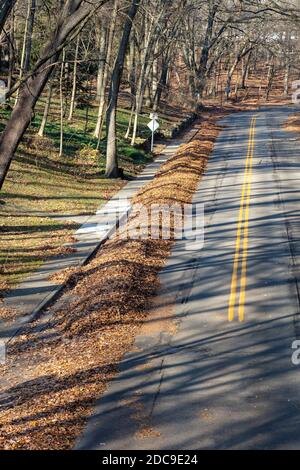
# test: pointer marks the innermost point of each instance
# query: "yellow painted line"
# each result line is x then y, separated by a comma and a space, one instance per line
246, 192
242, 299
232, 299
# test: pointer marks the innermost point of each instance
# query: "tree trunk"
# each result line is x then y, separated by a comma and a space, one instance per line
74, 86
287, 64
132, 66
28, 38
130, 121
271, 75
23, 55
46, 112
102, 101
240, 55
140, 96
161, 85
147, 95
202, 69
154, 84
145, 66
150, 42
11, 51
138, 107
102, 58
61, 95
112, 170
132, 82
5, 9
86, 125
287, 79
246, 71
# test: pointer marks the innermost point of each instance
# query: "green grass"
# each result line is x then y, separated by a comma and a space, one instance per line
41, 185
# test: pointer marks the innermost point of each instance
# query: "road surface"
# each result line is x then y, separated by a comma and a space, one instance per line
226, 380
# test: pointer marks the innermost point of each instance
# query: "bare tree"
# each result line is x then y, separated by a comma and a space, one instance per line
112, 170
46, 111
74, 86
104, 68
73, 15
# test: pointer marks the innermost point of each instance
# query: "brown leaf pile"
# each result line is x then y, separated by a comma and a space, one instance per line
293, 124
3, 286
58, 368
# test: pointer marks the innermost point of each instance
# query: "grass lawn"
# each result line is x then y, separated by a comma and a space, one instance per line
41, 187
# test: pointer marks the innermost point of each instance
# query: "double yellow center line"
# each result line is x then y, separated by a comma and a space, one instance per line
241, 246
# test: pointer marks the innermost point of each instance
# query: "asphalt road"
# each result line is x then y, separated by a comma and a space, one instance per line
226, 379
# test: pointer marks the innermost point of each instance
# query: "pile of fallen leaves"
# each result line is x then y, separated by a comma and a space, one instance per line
3, 285
293, 123
63, 362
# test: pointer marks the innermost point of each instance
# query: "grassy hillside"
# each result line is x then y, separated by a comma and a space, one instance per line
42, 187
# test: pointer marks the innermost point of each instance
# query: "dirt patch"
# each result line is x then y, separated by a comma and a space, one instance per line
161, 316
62, 363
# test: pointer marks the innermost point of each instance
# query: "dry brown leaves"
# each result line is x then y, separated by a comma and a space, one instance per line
293, 123
59, 367
4, 286
5, 313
